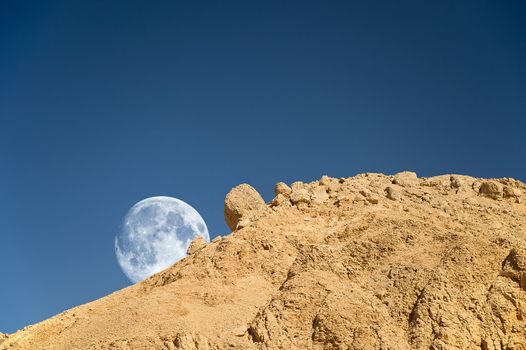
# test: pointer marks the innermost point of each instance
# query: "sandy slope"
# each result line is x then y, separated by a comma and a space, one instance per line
368, 262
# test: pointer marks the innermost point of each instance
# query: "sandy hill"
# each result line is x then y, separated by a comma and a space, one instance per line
368, 262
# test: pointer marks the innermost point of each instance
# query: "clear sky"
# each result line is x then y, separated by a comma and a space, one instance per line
105, 103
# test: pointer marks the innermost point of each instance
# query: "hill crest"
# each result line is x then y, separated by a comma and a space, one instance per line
367, 262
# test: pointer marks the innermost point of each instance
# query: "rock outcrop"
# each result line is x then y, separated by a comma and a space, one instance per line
243, 204
197, 244
367, 262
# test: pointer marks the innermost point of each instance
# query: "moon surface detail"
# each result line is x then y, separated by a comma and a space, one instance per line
155, 233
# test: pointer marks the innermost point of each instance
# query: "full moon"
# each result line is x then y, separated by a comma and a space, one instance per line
155, 233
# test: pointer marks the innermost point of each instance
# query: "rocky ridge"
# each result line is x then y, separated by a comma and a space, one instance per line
367, 262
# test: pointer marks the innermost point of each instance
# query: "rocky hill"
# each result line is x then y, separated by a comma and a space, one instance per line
367, 262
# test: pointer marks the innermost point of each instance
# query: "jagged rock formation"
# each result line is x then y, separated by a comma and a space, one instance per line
368, 262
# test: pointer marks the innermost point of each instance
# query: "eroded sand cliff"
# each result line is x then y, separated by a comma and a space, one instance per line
368, 262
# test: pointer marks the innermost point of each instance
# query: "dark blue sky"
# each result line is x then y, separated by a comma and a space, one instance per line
104, 103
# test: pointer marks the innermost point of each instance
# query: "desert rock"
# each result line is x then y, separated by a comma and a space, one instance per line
283, 189
491, 189
319, 195
300, 196
366, 262
197, 244
393, 193
405, 179
243, 202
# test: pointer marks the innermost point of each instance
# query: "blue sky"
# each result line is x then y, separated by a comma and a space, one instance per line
104, 103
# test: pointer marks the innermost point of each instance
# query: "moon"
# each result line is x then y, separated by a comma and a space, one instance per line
156, 233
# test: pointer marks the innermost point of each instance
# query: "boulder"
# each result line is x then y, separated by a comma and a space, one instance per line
393, 193
405, 179
492, 189
300, 195
280, 200
283, 189
511, 192
243, 202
